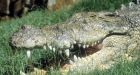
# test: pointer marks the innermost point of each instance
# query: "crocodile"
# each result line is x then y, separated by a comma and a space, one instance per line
104, 36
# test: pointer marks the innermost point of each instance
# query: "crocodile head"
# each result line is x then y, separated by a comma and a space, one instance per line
88, 31
28, 37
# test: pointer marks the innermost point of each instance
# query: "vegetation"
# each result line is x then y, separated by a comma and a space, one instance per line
11, 64
122, 68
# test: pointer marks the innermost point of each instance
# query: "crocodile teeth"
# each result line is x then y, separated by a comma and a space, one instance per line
75, 58
60, 52
53, 49
44, 47
72, 46
84, 46
98, 41
28, 53
79, 45
67, 52
92, 44
50, 47
116, 12
123, 7
22, 73
71, 62
95, 43
79, 58
87, 46
74, 42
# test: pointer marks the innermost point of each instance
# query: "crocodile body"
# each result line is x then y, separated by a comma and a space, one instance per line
117, 32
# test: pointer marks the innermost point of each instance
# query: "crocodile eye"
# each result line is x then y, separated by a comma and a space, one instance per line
93, 15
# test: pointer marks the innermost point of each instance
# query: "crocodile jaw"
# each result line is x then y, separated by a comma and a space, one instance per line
28, 37
103, 59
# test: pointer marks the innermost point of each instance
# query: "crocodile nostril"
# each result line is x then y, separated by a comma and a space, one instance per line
23, 27
36, 41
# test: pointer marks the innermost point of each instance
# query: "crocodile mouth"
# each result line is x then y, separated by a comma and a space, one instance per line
76, 53
69, 56
81, 50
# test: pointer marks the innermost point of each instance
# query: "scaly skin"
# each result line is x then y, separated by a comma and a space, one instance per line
86, 30
118, 32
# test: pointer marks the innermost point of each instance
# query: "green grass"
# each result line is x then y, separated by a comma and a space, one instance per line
122, 68
11, 64
99, 5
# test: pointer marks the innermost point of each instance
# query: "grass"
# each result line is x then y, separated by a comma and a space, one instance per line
122, 68
11, 64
